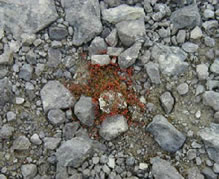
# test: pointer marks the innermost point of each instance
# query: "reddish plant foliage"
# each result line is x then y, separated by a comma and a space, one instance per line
105, 78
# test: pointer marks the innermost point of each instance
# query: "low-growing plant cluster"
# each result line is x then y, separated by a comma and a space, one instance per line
108, 78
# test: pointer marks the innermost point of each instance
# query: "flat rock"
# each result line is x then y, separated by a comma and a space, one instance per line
100, 59
165, 134
113, 126
153, 72
58, 33
211, 98
194, 173
163, 169
215, 66
114, 51
210, 137
54, 57
51, 143
74, 152
129, 56
21, 143
29, 171
167, 102
186, 17
131, 31
6, 131
112, 38
6, 94
84, 16
122, 13
84, 109
170, 59
15, 15
56, 116
7, 57
190, 47
97, 46
55, 95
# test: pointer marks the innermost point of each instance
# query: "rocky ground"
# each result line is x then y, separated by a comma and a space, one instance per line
165, 89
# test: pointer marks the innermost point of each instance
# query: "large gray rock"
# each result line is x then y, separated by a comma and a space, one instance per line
165, 134
84, 16
97, 46
129, 56
51, 143
190, 47
6, 131
55, 95
130, 31
21, 143
6, 94
26, 16
56, 116
167, 102
215, 66
113, 126
26, 72
122, 13
74, 152
186, 17
194, 173
100, 59
211, 98
162, 169
210, 137
85, 110
29, 171
170, 59
153, 72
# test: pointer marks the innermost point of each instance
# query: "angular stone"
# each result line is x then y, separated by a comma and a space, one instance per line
113, 51
6, 131
210, 137
122, 13
84, 109
7, 57
211, 98
131, 31
26, 72
190, 47
163, 169
58, 33
196, 33
202, 71
21, 143
29, 171
165, 134
84, 16
100, 59
208, 173
26, 16
153, 72
181, 36
113, 126
194, 173
51, 143
171, 59
54, 57
55, 95
112, 38
70, 130
215, 66
74, 152
167, 102
97, 46
186, 17
129, 56
56, 116
6, 94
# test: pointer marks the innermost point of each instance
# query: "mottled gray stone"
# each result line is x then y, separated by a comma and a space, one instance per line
97, 46
29, 171
11, 116
114, 51
216, 168
113, 126
183, 88
21, 143
210, 137
55, 95
215, 66
54, 57
122, 13
6, 131
35, 139
2, 176
26, 72
153, 72
56, 116
186, 17
129, 56
26, 16
208, 13
162, 169
194, 173
112, 38
209, 42
84, 109
131, 31
51, 143
181, 36
58, 33
208, 173
202, 71
100, 59
6, 94
74, 152
211, 98
167, 102
196, 33
70, 130
190, 47
84, 16
7, 57
165, 134
171, 59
